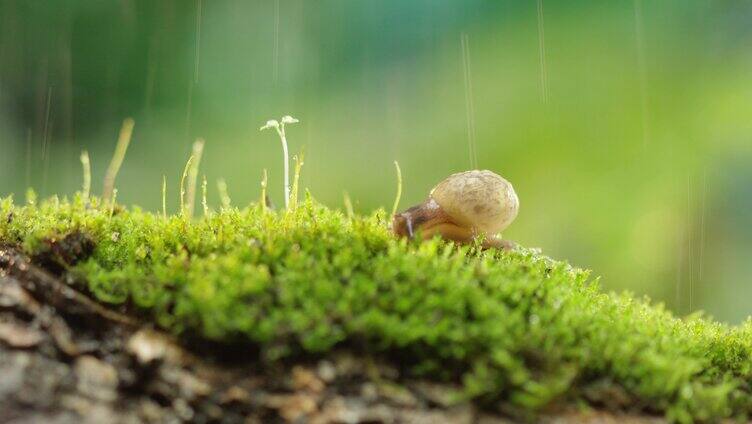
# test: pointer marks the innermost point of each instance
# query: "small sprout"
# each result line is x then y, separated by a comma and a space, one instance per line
468, 206
86, 164
198, 150
280, 127
399, 188
114, 199
182, 186
295, 181
348, 206
204, 202
272, 123
262, 200
287, 119
164, 197
31, 197
124, 139
223, 196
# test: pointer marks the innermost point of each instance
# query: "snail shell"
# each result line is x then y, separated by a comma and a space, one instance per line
481, 200
461, 208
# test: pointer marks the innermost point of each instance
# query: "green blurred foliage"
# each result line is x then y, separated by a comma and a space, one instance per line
631, 152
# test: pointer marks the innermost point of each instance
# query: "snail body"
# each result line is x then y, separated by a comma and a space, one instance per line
462, 207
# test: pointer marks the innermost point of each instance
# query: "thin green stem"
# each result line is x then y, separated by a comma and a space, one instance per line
182, 186
296, 182
124, 139
164, 196
223, 195
283, 139
86, 165
348, 205
262, 200
399, 188
198, 150
204, 202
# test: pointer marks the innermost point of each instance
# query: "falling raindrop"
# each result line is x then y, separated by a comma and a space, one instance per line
189, 108
542, 53
46, 122
690, 264
46, 140
469, 109
703, 197
28, 158
198, 41
276, 41
642, 69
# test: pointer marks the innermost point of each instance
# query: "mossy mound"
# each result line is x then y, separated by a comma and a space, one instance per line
520, 331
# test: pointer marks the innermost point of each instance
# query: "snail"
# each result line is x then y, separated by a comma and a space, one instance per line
461, 208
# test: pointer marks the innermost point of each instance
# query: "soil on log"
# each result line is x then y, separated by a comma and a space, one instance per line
65, 358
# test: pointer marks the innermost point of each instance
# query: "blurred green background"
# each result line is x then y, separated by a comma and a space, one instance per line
625, 126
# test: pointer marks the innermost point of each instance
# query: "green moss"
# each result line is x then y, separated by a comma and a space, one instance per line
516, 328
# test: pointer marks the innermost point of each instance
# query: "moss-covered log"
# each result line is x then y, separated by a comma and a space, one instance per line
514, 332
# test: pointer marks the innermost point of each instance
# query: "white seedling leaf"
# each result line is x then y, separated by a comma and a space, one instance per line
289, 120
272, 123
